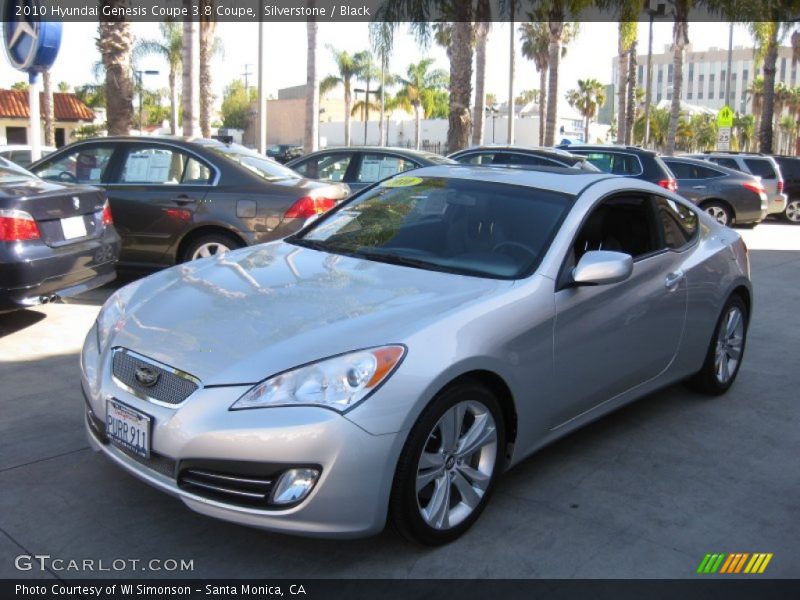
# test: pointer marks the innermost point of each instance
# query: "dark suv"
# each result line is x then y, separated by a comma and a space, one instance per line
628, 161
790, 169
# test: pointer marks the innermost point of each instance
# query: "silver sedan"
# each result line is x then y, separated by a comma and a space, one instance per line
392, 359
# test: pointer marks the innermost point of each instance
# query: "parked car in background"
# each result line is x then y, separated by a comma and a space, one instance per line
175, 200
760, 165
521, 156
629, 161
55, 239
390, 361
283, 153
728, 195
20, 154
360, 166
790, 169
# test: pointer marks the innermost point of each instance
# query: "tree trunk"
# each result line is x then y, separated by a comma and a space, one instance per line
622, 87
311, 134
680, 35
556, 29
542, 103
586, 130
49, 118
347, 102
460, 53
511, 55
173, 95
115, 42
768, 101
481, 35
381, 126
208, 28
418, 124
191, 79
630, 115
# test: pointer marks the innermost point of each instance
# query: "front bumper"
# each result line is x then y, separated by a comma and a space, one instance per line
31, 271
350, 498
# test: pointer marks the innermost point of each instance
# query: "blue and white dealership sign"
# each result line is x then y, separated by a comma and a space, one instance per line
31, 44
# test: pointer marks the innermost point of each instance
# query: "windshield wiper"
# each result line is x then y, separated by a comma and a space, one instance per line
312, 244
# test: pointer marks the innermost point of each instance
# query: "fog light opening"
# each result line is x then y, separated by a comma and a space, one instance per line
294, 485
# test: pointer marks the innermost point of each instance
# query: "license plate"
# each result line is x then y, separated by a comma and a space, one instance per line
73, 227
128, 428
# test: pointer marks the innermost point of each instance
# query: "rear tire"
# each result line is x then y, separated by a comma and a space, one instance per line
725, 351
792, 212
720, 212
449, 464
210, 244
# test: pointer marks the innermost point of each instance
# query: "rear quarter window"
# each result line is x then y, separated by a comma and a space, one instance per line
760, 167
617, 164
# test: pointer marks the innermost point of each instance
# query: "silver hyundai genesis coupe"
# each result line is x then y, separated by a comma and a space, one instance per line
393, 358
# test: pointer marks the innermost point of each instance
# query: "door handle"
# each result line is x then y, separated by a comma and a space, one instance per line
698, 187
184, 199
673, 280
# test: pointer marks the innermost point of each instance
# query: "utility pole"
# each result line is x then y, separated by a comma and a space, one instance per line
246, 74
510, 81
262, 92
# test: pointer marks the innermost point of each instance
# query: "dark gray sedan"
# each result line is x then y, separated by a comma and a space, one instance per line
55, 239
522, 156
728, 195
360, 166
176, 200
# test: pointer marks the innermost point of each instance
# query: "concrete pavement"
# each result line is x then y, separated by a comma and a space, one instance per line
644, 492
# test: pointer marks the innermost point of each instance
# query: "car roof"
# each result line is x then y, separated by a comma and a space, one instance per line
573, 148
555, 152
557, 179
704, 163
379, 149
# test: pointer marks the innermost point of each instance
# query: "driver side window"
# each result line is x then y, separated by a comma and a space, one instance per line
82, 165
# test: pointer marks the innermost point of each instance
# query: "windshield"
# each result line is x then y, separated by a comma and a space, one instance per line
253, 161
11, 173
456, 225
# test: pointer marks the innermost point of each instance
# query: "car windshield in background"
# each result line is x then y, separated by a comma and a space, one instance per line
260, 165
11, 173
456, 225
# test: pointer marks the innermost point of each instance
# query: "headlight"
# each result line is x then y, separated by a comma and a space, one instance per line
338, 383
111, 315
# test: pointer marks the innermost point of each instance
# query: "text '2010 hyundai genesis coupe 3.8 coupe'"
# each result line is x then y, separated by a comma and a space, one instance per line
391, 359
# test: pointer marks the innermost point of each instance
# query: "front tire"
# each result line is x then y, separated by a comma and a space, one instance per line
719, 212
792, 212
725, 352
449, 465
211, 244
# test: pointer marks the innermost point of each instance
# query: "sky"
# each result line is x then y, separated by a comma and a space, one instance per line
590, 55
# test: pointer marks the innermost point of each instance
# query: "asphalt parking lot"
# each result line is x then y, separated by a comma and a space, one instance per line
644, 492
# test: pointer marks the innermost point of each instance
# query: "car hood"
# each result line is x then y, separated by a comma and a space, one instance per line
260, 310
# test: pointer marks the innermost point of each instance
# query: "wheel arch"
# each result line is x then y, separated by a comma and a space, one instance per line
206, 229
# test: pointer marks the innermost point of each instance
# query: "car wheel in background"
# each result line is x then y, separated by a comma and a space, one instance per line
449, 465
725, 352
792, 212
208, 245
719, 211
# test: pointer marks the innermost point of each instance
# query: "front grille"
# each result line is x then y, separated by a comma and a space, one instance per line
241, 490
157, 462
170, 387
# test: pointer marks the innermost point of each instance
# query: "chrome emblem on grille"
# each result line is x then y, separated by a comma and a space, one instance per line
146, 376
76, 202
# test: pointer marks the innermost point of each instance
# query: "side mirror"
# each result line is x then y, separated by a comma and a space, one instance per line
602, 267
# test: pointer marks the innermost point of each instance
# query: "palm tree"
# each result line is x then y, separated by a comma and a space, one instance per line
481, 37
659, 127
63, 87
745, 127
115, 43
210, 45
756, 93
680, 37
48, 110
348, 70
367, 72
419, 82
625, 48
170, 48
589, 96
311, 131
631, 102
382, 41
768, 37
535, 37
191, 77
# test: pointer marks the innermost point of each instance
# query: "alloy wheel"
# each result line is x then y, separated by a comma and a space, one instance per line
456, 464
209, 249
730, 343
719, 213
793, 211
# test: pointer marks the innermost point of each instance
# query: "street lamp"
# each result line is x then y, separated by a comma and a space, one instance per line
492, 110
658, 11
365, 112
139, 75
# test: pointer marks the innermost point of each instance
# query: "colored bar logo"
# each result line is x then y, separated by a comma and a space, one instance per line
733, 563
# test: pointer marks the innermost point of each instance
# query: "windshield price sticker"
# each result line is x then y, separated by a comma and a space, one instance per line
405, 181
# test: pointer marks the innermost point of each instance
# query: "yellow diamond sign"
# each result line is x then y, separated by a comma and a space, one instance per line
725, 117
